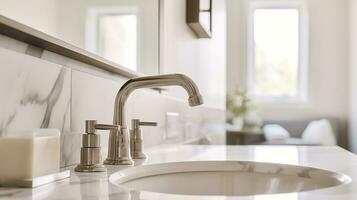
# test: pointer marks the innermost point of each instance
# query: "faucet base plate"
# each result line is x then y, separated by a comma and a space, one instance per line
90, 168
118, 162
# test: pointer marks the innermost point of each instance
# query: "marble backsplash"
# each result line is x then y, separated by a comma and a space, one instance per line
41, 89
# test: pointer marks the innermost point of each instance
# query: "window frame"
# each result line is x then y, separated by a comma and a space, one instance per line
302, 95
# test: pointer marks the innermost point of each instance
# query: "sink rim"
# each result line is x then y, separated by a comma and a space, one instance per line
156, 169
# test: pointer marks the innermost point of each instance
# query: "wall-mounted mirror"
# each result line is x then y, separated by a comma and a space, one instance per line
123, 31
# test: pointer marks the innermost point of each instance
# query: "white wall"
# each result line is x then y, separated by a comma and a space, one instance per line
328, 60
236, 44
353, 73
41, 14
204, 60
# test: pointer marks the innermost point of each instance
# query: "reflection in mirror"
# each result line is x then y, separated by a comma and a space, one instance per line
205, 5
113, 36
205, 14
123, 31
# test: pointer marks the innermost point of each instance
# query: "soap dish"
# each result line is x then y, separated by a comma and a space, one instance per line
38, 181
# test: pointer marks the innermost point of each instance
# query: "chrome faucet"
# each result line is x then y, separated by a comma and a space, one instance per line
119, 145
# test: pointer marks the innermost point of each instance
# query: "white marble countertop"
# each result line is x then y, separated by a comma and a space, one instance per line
97, 186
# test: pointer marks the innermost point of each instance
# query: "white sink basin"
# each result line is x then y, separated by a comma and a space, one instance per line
225, 178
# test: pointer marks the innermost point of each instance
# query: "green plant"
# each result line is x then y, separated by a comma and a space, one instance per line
237, 104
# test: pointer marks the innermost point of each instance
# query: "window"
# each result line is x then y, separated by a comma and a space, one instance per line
117, 38
276, 63
113, 34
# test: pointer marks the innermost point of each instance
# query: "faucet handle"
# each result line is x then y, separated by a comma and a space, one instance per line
136, 123
148, 123
92, 126
136, 138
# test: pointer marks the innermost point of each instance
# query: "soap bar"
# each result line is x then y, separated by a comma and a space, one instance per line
29, 155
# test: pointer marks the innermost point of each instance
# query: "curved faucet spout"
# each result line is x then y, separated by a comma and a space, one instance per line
119, 146
154, 81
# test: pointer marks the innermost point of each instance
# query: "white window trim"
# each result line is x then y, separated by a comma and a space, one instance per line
303, 49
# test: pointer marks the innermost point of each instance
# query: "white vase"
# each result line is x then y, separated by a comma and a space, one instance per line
238, 123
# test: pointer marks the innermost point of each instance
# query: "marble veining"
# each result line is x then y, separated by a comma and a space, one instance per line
33, 94
50, 101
